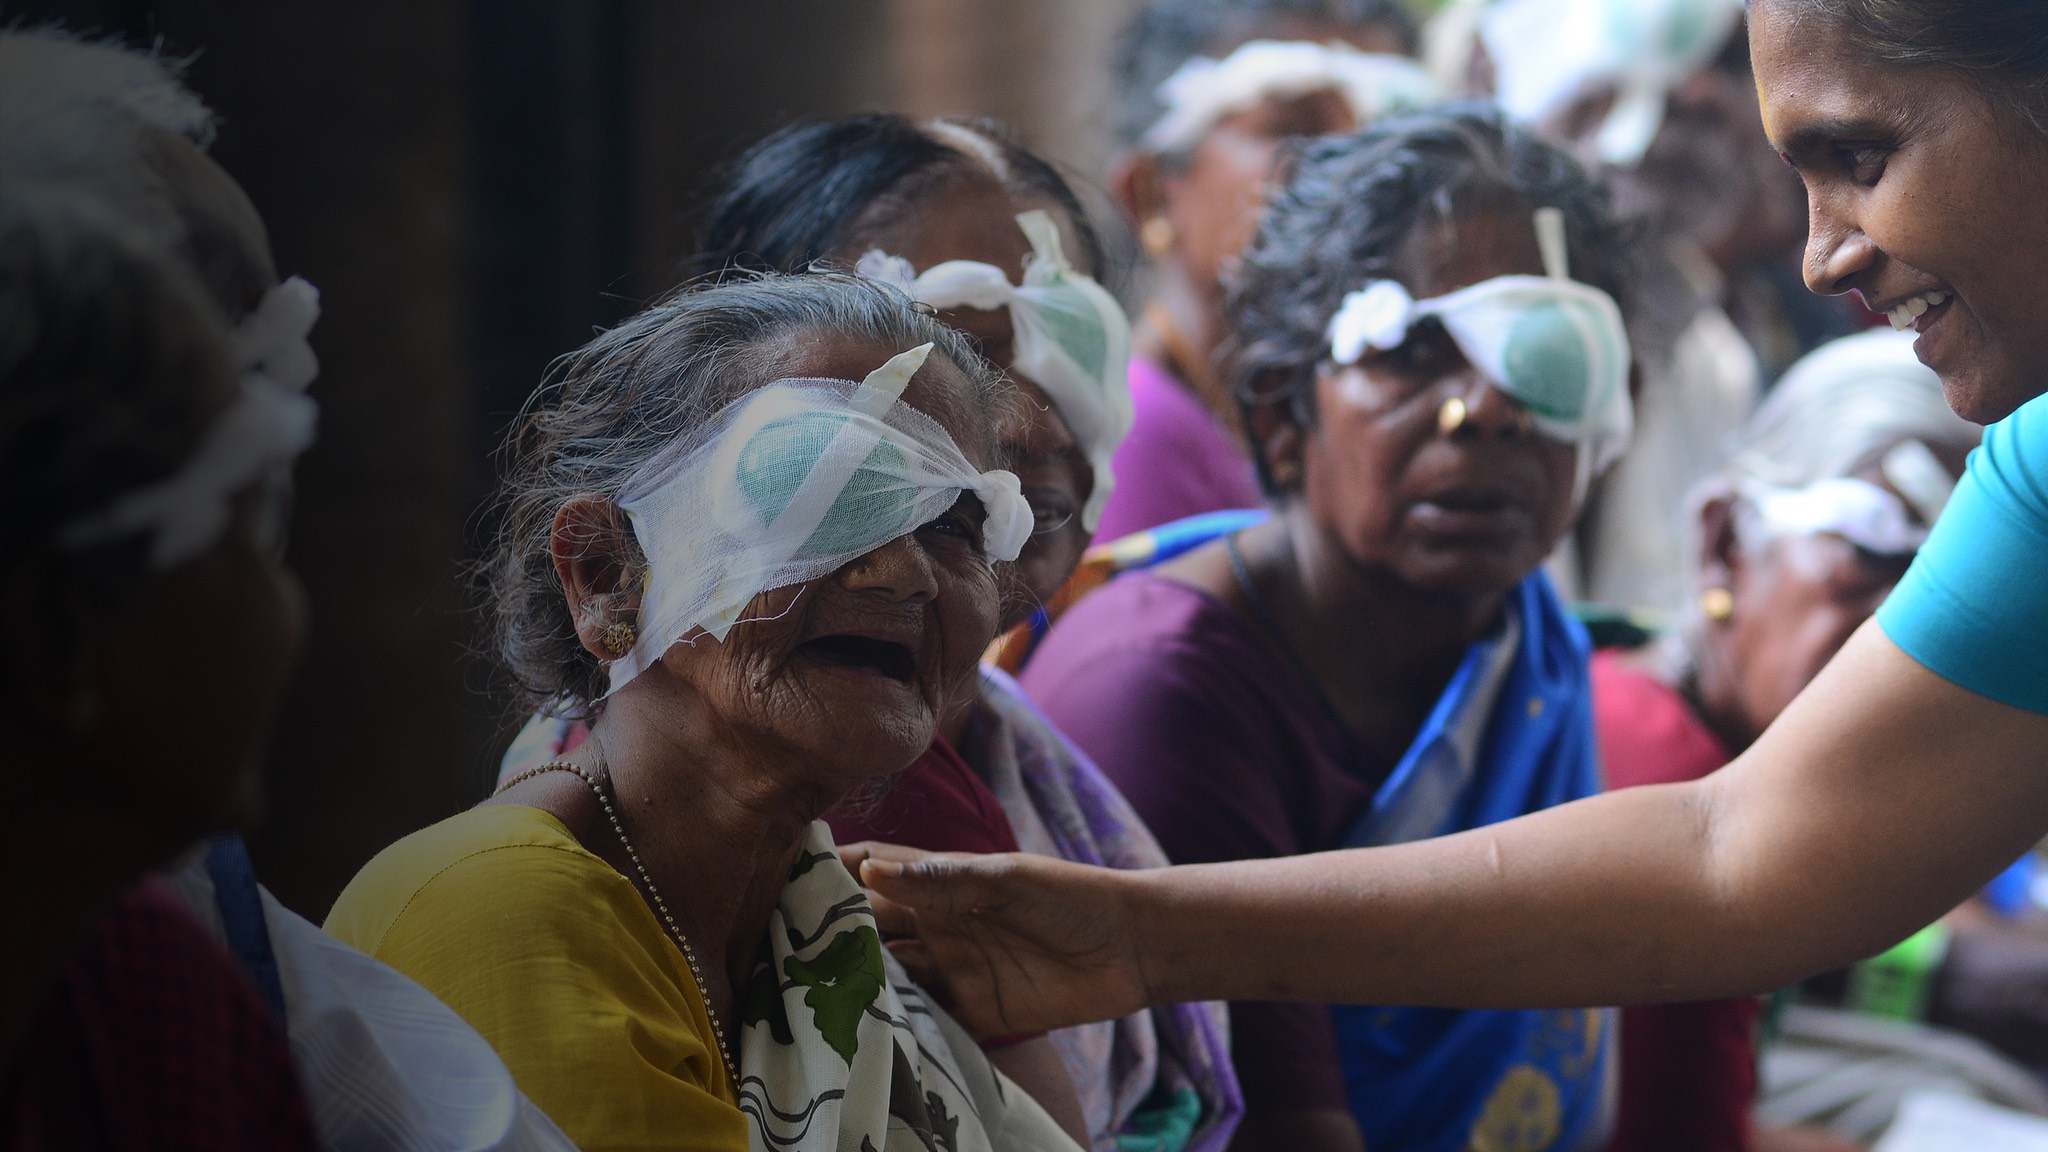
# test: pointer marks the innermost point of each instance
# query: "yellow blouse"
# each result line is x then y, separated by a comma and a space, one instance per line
556, 959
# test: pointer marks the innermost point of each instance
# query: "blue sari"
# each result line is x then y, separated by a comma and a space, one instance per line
1512, 734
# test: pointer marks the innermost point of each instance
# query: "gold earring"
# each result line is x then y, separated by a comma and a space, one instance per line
619, 638
1157, 236
1717, 603
1451, 416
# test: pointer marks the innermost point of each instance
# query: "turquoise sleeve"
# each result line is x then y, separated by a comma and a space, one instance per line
1974, 607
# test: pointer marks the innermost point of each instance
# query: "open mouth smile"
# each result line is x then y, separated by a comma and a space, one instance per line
885, 658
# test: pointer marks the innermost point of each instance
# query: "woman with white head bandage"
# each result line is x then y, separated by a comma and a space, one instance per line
964, 220
1209, 91
756, 536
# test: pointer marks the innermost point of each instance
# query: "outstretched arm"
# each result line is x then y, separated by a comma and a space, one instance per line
1880, 798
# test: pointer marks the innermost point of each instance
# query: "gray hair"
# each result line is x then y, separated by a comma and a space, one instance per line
91, 118
620, 403
1836, 410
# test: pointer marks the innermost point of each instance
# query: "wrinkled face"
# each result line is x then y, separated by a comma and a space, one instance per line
1708, 173
977, 220
192, 673
851, 671
1213, 195
1797, 599
1921, 194
1474, 510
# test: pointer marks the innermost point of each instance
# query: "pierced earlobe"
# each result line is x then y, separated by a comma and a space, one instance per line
1157, 236
619, 638
1718, 604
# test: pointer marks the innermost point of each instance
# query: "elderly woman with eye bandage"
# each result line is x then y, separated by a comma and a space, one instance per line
754, 536
1380, 660
971, 223
1209, 91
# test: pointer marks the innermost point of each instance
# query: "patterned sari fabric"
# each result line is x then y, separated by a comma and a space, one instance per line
840, 1052
1154, 1081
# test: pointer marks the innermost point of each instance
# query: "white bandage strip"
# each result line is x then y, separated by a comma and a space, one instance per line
711, 544
268, 425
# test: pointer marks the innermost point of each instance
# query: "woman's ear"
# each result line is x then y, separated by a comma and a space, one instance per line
1136, 183
591, 543
1721, 562
1274, 428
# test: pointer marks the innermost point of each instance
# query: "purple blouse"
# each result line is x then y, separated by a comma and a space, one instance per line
1176, 462
1226, 756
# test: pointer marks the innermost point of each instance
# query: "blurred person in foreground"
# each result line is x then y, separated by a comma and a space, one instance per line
1828, 493
1381, 660
756, 534
146, 626
116, 134
1208, 91
965, 220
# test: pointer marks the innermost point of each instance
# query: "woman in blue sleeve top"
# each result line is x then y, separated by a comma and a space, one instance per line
1909, 773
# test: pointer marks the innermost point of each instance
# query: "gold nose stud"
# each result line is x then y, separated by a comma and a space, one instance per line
1451, 416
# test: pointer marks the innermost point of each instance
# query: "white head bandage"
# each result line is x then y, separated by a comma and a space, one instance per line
789, 483
1204, 91
1555, 345
1072, 339
268, 425
1856, 510
1546, 52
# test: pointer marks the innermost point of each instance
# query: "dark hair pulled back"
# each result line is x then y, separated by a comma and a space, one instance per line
1350, 203
2000, 45
810, 189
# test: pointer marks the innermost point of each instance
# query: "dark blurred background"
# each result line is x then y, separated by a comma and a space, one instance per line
475, 186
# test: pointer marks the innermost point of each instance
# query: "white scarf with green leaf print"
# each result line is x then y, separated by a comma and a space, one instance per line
840, 1052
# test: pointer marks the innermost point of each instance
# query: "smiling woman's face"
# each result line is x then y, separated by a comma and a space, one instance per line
852, 670
1924, 196
1474, 510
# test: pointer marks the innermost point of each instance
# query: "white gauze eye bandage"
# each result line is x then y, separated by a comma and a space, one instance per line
1205, 90
1548, 52
1556, 346
787, 484
254, 439
1856, 510
1072, 338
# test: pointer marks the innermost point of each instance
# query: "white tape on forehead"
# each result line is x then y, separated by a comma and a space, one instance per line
789, 483
1856, 510
269, 424
1071, 337
1205, 90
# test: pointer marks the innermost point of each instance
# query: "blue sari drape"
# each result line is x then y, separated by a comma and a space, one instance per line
1443, 1080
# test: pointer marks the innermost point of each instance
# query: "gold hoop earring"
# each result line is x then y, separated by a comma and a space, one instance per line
1718, 604
619, 638
1452, 416
1156, 235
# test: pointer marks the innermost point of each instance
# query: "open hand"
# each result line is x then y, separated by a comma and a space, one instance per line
1016, 943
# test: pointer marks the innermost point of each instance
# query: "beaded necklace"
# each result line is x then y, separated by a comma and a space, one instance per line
653, 895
